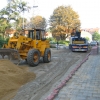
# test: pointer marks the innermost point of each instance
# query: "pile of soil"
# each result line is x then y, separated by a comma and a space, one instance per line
11, 78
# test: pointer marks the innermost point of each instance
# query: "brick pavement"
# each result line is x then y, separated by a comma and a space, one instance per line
85, 84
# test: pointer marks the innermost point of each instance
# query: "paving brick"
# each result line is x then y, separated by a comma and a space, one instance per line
87, 94
73, 98
85, 83
96, 94
93, 98
81, 98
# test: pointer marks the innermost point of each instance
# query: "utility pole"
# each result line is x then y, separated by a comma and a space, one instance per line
23, 19
33, 26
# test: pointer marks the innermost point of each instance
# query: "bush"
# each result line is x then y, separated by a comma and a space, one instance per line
3, 41
54, 41
64, 42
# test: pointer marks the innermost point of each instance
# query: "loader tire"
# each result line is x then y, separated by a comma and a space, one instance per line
47, 56
33, 57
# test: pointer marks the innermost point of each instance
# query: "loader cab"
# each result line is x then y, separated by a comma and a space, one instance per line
37, 34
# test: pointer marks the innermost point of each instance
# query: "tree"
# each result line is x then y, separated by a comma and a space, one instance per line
23, 7
87, 38
63, 20
96, 36
38, 22
12, 12
3, 26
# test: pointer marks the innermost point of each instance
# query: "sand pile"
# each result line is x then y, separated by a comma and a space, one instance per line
11, 78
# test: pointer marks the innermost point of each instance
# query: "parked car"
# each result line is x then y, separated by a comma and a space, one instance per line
93, 43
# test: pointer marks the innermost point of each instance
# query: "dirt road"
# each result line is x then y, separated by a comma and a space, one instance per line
47, 74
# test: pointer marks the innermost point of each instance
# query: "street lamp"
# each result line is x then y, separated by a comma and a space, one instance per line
33, 17
23, 20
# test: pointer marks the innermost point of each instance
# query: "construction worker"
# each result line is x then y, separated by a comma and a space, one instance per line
57, 45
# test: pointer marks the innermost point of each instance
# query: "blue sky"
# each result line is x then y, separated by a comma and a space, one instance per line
88, 10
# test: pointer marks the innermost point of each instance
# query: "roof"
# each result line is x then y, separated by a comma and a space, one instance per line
34, 29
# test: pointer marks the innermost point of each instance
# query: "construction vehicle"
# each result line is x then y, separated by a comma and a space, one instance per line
77, 43
29, 48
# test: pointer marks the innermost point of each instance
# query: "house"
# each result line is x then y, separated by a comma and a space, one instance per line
86, 34
48, 34
99, 31
10, 32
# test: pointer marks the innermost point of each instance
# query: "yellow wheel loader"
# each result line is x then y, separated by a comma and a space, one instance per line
29, 48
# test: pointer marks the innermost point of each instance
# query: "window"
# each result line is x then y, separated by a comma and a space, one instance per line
31, 34
38, 35
43, 34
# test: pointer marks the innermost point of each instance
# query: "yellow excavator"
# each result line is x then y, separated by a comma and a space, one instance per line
30, 47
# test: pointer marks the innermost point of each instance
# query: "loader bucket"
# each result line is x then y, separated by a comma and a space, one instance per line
10, 54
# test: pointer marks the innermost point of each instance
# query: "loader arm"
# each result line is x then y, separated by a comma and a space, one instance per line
15, 48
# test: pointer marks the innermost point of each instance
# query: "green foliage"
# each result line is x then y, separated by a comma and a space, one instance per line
64, 42
2, 41
96, 36
12, 12
53, 41
6, 40
87, 38
4, 25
